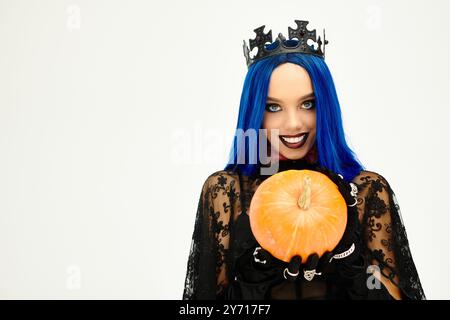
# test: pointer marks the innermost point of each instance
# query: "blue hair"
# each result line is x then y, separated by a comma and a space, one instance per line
333, 152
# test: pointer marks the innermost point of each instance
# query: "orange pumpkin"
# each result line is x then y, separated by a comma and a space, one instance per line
298, 212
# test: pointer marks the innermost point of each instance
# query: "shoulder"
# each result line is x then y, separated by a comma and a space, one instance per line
367, 178
374, 197
222, 179
374, 186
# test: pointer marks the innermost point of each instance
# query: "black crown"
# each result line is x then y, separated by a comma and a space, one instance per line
302, 34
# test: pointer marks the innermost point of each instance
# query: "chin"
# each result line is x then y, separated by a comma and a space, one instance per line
292, 155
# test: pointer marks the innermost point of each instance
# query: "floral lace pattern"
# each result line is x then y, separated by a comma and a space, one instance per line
226, 194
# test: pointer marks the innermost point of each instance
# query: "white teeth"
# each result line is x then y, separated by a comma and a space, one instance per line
294, 140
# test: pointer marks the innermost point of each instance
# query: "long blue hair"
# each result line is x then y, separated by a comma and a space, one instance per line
333, 152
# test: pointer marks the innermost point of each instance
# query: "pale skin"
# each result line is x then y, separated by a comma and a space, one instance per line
290, 108
293, 111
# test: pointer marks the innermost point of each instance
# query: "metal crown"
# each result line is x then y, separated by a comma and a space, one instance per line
301, 33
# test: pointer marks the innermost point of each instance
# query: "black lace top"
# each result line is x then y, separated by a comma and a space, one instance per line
221, 263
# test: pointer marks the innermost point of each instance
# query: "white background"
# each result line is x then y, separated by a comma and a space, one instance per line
113, 113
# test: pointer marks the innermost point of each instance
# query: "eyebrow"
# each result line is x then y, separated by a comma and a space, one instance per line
309, 95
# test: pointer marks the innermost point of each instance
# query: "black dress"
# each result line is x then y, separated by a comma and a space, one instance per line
222, 264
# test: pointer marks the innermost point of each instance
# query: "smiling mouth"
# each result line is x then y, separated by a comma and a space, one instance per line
294, 142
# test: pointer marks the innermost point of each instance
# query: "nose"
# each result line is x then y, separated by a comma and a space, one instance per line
293, 121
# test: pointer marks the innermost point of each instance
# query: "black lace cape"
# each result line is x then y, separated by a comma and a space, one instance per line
222, 236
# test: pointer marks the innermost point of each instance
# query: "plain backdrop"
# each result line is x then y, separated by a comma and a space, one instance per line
113, 113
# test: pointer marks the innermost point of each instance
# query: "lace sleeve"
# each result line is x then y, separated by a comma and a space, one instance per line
385, 235
206, 276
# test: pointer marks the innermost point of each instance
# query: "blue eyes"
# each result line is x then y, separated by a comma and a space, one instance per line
273, 107
309, 104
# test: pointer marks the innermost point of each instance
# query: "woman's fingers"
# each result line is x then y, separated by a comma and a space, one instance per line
312, 262
293, 270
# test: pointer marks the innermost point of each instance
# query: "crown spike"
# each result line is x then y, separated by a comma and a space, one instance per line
247, 53
281, 37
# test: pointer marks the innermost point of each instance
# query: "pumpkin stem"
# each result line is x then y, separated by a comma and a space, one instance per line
305, 199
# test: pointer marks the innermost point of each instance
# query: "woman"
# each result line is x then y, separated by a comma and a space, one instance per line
289, 94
